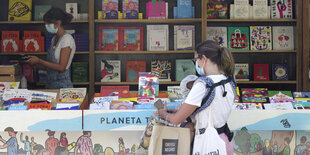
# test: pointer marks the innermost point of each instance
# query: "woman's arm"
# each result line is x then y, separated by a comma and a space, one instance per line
176, 118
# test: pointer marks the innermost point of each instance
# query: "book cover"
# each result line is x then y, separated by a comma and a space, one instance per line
184, 67
72, 8
7, 85
241, 9
184, 37
19, 10
148, 86
248, 106
41, 95
67, 106
10, 41
261, 72
279, 106
79, 71
218, 34
165, 68
72, 94
121, 105
280, 94
157, 38
156, 10
261, 38
131, 39
241, 72
108, 38
120, 91
254, 95
260, 9
110, 9
110, 71
174, 92
133, 68
301, 94
238, 38
130, 9
217, 9
279, 72
283, 37
32, 41
40, 10
42, 106
281, 9
184, 9
23, 95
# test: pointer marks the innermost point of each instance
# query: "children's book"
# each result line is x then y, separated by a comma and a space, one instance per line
40, 10
148, 86
261, 72
40, 95
157, 38
283, 37
238, 38
130, 9
218, 34
109, 38
184, 67
280, 94
164, 66
10, 41
110, 9
110, 71
241, 9
72, 8
301, 94
131, 39
254, 95
72, 94
121, 105
133, 68
241, 72
32, 41
184, 37
120, 91
281, 9
174, 92
260, 9
19, 10
7, 85
248, 106
279, 72
67, 106
79, 71
18, 107
17, 94
261, 38
40, 106
184, 9
217, 9
156, 10
279, 106
102, 103
301, 105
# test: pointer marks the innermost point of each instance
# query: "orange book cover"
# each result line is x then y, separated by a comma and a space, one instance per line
43, 106
133, 68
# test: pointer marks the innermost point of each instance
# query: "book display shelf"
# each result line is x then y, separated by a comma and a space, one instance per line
306, 46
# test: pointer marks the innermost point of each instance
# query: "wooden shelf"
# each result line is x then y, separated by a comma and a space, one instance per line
148, 20
37, 22
142, 52
136, 83
266, 82
74, 83
263, 51
251, 20
39, 53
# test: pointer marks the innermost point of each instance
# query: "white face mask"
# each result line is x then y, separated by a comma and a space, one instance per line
51, 28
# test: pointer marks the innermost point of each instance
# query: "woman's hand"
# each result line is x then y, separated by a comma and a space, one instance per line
33, 60
162, 113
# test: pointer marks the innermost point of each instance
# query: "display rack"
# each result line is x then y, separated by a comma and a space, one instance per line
306, 46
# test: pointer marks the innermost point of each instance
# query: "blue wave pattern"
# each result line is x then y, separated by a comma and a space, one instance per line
74, 124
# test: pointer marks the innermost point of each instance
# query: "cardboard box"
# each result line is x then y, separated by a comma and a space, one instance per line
9, 78
10, 70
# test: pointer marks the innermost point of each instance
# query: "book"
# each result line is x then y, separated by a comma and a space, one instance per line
72, 94
281, 9
41, 106
283, 37
247, 106
148, 86
120, 91
218, 34
261, 38
109, 38
72, 8
156, 10
279, 106
7, 85
130, 9
157, 38
301, 94
301, 105
79, 71
10, 41
184, 9
110, 9
102, 103
19, 10
280, 94
131, 39
121, 105
261, 72
174, 92
110, 71
40, 10
41, 95
67, 106
257, 95
184, 37
32, 41
23, 95
184, 67
217, 9
241, 72
241, 9
165, 68
238, 38
279, 72
133, 68
260, 9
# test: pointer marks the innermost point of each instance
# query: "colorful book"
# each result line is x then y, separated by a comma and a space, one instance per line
157, 38
283, 37
131, 39
261, 38
7, 85
79, 71
156, 10
248, 106
174, 92
46, 96
72, 8
184, 37
148, 86
261, 72
280, 95
241, 72
218, 34
130, 9
279, 106
108, 38
19, 10
133, 68
260, 9
217, 9
120, 91
257, 95
241, 9
281, 9
72, 94
110, 9
33, 41
10, 41
164, 66
42, 106
279, 72
184, 67
301, 94
301, 105
238, 38
40, 10
23, 95
121, 105
110, 71
67, 106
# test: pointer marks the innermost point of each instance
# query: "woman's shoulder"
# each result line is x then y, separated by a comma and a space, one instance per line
67, 36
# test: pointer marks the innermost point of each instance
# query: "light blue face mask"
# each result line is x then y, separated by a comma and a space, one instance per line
50, 28
199, 70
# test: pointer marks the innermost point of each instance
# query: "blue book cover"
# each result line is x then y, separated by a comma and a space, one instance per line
144, 106
184, 9
301, 94
279, 72
110, 9
19, 107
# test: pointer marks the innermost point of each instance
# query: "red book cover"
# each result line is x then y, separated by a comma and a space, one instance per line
28, 71
42, 43
131, 39
43, 106
120, 91
261, 72
133, 68
109, 38
10, 41
32, 41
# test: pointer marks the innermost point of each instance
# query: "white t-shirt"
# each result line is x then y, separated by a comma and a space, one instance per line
221, 106
65, 41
